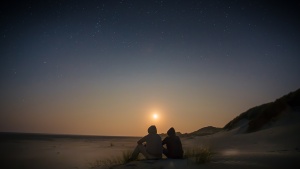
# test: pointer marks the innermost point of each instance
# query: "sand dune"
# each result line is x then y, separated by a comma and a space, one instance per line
275, 146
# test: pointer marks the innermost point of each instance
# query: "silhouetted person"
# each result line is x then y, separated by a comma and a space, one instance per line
173, 143
152, 149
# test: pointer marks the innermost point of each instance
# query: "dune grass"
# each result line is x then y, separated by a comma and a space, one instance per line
113, 161
198, 155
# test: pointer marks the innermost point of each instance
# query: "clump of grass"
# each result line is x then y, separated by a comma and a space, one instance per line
113, 161
199, 155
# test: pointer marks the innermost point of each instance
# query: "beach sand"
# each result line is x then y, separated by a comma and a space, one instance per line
275, 146
60, 153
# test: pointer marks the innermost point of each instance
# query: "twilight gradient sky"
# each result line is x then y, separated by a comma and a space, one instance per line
104, 67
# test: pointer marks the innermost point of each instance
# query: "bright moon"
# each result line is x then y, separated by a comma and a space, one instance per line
155, 116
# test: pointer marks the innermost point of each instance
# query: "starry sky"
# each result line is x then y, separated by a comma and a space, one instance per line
104, 67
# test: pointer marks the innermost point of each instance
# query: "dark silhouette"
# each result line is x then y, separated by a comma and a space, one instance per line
152, 149
262, 115
173, 143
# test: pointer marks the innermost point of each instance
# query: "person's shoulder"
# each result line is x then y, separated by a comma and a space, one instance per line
174, 138
152, 135
167, 138
157, 135
177, 137
148, 135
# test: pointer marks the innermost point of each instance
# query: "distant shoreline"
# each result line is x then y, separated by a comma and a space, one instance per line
47, 136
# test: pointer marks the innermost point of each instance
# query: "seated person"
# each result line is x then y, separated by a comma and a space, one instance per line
174, 146
152, 149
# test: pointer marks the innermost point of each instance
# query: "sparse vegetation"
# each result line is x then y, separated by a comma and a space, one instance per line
113, 161
198, 155
263, 114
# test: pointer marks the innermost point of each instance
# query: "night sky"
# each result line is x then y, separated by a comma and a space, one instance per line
104, 67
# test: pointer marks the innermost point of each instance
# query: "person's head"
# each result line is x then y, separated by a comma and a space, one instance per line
171, 132
152, 130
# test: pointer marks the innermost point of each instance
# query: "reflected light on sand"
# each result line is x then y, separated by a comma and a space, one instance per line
171, 164
230, 152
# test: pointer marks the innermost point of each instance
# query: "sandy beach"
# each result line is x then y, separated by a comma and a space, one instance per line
59, 153
276, 146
